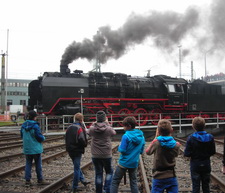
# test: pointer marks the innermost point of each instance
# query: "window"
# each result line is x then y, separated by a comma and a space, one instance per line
175, 87
171, 88
9, 102
22, 102
179, 87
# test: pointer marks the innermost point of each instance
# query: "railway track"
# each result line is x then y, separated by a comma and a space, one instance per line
58, 170
217, 178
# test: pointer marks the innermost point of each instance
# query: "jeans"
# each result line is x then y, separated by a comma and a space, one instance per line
197, 178
77, 175
38, 166
99, 164
168, 184
118, 175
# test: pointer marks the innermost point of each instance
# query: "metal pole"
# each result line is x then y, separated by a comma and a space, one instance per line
205, 65
81, 103
180, 131
7, 62
192, 76
179, 60
3, 84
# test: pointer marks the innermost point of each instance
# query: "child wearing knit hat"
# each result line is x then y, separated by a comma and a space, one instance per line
100, 116
101, 133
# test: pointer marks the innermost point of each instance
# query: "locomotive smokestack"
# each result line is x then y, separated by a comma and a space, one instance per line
64, 69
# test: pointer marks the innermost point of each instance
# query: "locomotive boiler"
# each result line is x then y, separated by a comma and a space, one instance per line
65, 93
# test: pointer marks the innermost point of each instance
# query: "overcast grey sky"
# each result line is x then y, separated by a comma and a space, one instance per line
138, 35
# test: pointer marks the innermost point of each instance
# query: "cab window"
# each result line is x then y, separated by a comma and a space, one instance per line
175, 88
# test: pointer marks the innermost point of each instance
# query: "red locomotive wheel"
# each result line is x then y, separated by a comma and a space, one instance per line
122, 114
141, 114
89, 117
155, 116
110, 116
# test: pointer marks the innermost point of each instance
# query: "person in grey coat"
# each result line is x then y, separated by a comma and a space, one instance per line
101, 150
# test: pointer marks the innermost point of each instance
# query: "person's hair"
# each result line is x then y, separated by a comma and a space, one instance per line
129, 122
164, 127
31, 115
78, 117
198, 123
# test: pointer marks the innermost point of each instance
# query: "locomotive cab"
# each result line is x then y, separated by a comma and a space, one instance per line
175, 93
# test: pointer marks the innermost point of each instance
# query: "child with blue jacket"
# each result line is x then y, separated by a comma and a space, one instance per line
32, 147
131, 146
200, 147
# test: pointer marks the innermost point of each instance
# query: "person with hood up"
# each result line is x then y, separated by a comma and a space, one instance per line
131, 146
32, 147
165, 149
200, 147
101, 150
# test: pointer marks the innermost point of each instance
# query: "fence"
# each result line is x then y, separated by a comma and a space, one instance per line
144, 121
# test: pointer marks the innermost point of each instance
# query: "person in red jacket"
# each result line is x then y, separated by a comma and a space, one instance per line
76, 141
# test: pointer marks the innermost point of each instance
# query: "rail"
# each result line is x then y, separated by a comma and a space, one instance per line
144, 120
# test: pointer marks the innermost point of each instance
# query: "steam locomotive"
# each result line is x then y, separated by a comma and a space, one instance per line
60, 93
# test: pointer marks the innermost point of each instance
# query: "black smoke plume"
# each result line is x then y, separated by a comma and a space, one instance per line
166, 30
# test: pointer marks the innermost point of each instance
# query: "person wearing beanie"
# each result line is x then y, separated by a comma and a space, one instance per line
32, 147
101, 150
100, 116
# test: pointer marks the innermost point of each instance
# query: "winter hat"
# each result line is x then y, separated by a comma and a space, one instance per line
100, 116
32, 114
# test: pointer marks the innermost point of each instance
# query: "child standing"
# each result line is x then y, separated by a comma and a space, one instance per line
32, 147
101, 133
165, 149
199, 147
223, 168
131, 146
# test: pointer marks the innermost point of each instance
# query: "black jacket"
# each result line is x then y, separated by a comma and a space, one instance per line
75, 139
200, 147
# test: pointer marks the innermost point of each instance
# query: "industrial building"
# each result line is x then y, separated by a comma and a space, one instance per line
16, 92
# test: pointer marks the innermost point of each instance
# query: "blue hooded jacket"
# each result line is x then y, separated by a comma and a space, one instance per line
200, 146
131, 146
32, 137
167, 141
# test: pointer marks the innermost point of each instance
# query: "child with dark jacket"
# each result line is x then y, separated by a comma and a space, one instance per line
76, 141
165, 149
131, 146
223, 167
101, 133
200, 147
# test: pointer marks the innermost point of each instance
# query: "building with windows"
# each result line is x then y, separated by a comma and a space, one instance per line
16, 92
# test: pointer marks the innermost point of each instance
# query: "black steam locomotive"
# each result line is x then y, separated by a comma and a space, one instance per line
60, 93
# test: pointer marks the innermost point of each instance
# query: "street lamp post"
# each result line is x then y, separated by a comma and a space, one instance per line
81, 91
205, 66
205, 52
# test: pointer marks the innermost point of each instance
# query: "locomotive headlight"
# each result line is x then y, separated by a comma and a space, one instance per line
81, 91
